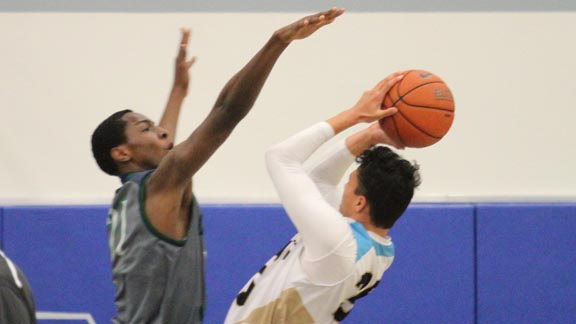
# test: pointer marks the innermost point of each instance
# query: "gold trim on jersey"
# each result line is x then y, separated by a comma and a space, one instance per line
286, 309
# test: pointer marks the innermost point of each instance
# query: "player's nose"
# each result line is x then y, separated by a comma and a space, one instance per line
162, 133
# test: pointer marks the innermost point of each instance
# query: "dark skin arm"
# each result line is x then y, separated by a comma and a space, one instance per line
169, 189
179, 90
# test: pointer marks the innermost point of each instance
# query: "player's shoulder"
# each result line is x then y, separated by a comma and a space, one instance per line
367, 241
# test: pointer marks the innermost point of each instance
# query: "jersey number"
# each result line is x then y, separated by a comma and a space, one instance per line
282, 254
346, 307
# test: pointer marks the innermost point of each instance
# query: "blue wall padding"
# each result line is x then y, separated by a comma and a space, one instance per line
526, 263
64, 253
455, 263
431, 280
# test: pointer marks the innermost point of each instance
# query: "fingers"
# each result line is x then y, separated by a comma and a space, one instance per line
388, 112
183, 43
381, 89
324, 18
307, 25
332, 13
183, 48
191, 62
389, 81
185, 36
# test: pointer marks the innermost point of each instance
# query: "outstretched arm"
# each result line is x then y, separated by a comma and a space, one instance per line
235, 101
169, 119
241, 91
168, 187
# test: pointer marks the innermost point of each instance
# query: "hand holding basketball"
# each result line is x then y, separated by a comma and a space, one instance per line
425, 109
369, 106
379, 136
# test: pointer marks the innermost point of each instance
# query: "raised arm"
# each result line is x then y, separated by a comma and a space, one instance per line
235, 101
241, 91
299, 192
304, 202
327, 173
169, 119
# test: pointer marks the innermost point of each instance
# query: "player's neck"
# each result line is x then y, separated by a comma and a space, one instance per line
364, 218
130, 168
380, 231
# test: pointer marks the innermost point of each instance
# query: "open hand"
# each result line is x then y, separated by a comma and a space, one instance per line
369, 107
182, 66
308, 25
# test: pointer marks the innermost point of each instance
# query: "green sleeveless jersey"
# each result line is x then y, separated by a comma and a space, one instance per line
158, 279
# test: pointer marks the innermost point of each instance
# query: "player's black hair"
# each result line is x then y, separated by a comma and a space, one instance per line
109, 134
388, 182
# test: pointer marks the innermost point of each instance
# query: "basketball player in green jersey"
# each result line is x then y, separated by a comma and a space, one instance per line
155, 229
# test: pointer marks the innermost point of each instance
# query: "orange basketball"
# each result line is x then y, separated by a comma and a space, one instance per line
425, 109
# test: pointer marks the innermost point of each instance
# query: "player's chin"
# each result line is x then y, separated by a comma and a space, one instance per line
161, 155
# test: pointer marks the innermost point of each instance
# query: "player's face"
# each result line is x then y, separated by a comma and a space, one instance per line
147, 143
349, 197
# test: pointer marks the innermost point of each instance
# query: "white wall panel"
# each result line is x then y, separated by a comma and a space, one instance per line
512, 75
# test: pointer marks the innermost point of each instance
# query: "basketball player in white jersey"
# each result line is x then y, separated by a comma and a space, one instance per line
342, 248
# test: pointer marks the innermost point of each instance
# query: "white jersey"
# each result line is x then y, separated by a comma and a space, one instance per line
331, 262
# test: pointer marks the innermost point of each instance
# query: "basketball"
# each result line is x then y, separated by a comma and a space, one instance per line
425, 109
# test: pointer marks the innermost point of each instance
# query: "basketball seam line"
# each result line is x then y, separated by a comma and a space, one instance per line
398, 135
401, 97
418, 128
398, 89
424, 107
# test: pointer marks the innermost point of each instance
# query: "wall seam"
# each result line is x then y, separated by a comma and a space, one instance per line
475, 261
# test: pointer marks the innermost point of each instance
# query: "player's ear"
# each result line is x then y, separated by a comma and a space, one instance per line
361, 203
120, 153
